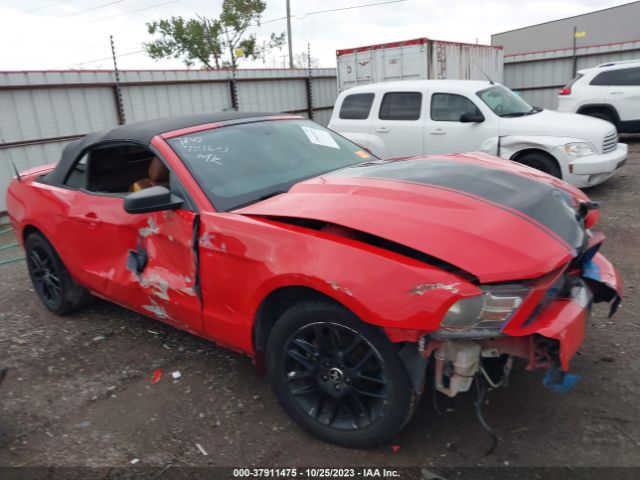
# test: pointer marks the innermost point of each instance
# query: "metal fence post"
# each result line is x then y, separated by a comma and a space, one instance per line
309, 85
233, 90
116, 89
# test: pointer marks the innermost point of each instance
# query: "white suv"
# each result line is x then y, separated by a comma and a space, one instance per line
397, 119
610, 91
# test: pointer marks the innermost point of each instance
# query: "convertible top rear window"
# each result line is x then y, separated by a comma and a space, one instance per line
242, 164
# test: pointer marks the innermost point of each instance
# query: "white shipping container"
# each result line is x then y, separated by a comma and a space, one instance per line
417, 59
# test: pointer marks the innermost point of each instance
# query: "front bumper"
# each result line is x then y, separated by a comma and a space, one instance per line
546, 331
593, 169
564, 320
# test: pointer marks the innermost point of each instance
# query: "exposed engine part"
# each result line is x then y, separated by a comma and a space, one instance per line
458, 361
504, 374
456, 364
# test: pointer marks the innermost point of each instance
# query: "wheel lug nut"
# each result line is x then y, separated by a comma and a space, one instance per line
337, 387
325, 378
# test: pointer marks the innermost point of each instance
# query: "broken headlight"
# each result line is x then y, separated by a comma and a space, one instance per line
484, 315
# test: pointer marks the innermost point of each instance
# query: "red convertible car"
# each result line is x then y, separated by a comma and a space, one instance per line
341, 274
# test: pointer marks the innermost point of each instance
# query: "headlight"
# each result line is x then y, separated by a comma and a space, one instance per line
484, 315
578, 149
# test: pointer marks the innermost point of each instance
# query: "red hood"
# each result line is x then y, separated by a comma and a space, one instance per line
496, 223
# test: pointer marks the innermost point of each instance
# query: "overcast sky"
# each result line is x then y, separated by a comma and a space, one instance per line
62, 34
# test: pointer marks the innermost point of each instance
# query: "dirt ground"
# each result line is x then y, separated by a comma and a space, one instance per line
79, 391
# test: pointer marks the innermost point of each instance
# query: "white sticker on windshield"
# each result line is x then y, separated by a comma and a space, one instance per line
320, 137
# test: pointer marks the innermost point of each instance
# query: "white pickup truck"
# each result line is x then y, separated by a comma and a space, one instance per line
397, 119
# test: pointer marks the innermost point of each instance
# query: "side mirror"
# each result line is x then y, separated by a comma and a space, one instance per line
152, 199
472, 117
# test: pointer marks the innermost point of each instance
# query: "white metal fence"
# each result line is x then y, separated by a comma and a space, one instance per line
40, 112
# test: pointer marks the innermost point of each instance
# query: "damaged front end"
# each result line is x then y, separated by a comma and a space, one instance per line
542, 322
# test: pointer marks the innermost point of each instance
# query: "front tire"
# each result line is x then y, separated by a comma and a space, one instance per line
541, 162
339, 378
51, 280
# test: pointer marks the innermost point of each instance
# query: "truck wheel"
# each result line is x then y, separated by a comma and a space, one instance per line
51, 280
541, 162
337, 377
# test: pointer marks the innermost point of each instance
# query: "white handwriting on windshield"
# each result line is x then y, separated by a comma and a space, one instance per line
209, 158
204, 149
188, 140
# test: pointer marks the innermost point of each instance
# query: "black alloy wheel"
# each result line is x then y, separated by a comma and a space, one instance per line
336, 376
51, 280
46, 277
339, 378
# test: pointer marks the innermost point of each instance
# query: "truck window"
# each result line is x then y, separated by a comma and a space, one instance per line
447, 107
356, 106
401, 106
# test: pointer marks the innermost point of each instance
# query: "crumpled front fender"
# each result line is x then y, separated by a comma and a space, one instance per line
565, 319
604, 280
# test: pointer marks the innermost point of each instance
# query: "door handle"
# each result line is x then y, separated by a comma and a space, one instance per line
616, 93
438, 131
382, 130
90, 218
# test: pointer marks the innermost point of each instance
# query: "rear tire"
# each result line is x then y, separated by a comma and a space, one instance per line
541, 162
51, 280
602, 115
339, 378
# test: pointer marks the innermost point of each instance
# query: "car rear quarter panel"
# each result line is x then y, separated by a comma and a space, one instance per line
243, 259
37, 205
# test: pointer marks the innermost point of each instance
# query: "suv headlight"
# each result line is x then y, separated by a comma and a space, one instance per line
578, 149
484, 315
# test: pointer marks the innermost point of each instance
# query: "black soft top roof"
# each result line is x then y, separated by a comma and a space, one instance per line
142, 133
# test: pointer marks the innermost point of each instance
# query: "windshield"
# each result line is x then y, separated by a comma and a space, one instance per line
505, 103
242, 164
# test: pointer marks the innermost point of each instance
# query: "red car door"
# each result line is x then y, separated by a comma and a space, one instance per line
144, 261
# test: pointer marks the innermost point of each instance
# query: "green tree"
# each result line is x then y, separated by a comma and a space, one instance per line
214, 42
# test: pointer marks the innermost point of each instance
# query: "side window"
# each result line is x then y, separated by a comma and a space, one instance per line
448, 107
118, 170
400, 106
356, 106
633, 77
77, 176
612, 77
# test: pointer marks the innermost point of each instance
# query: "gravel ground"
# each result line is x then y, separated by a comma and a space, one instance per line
79, 391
